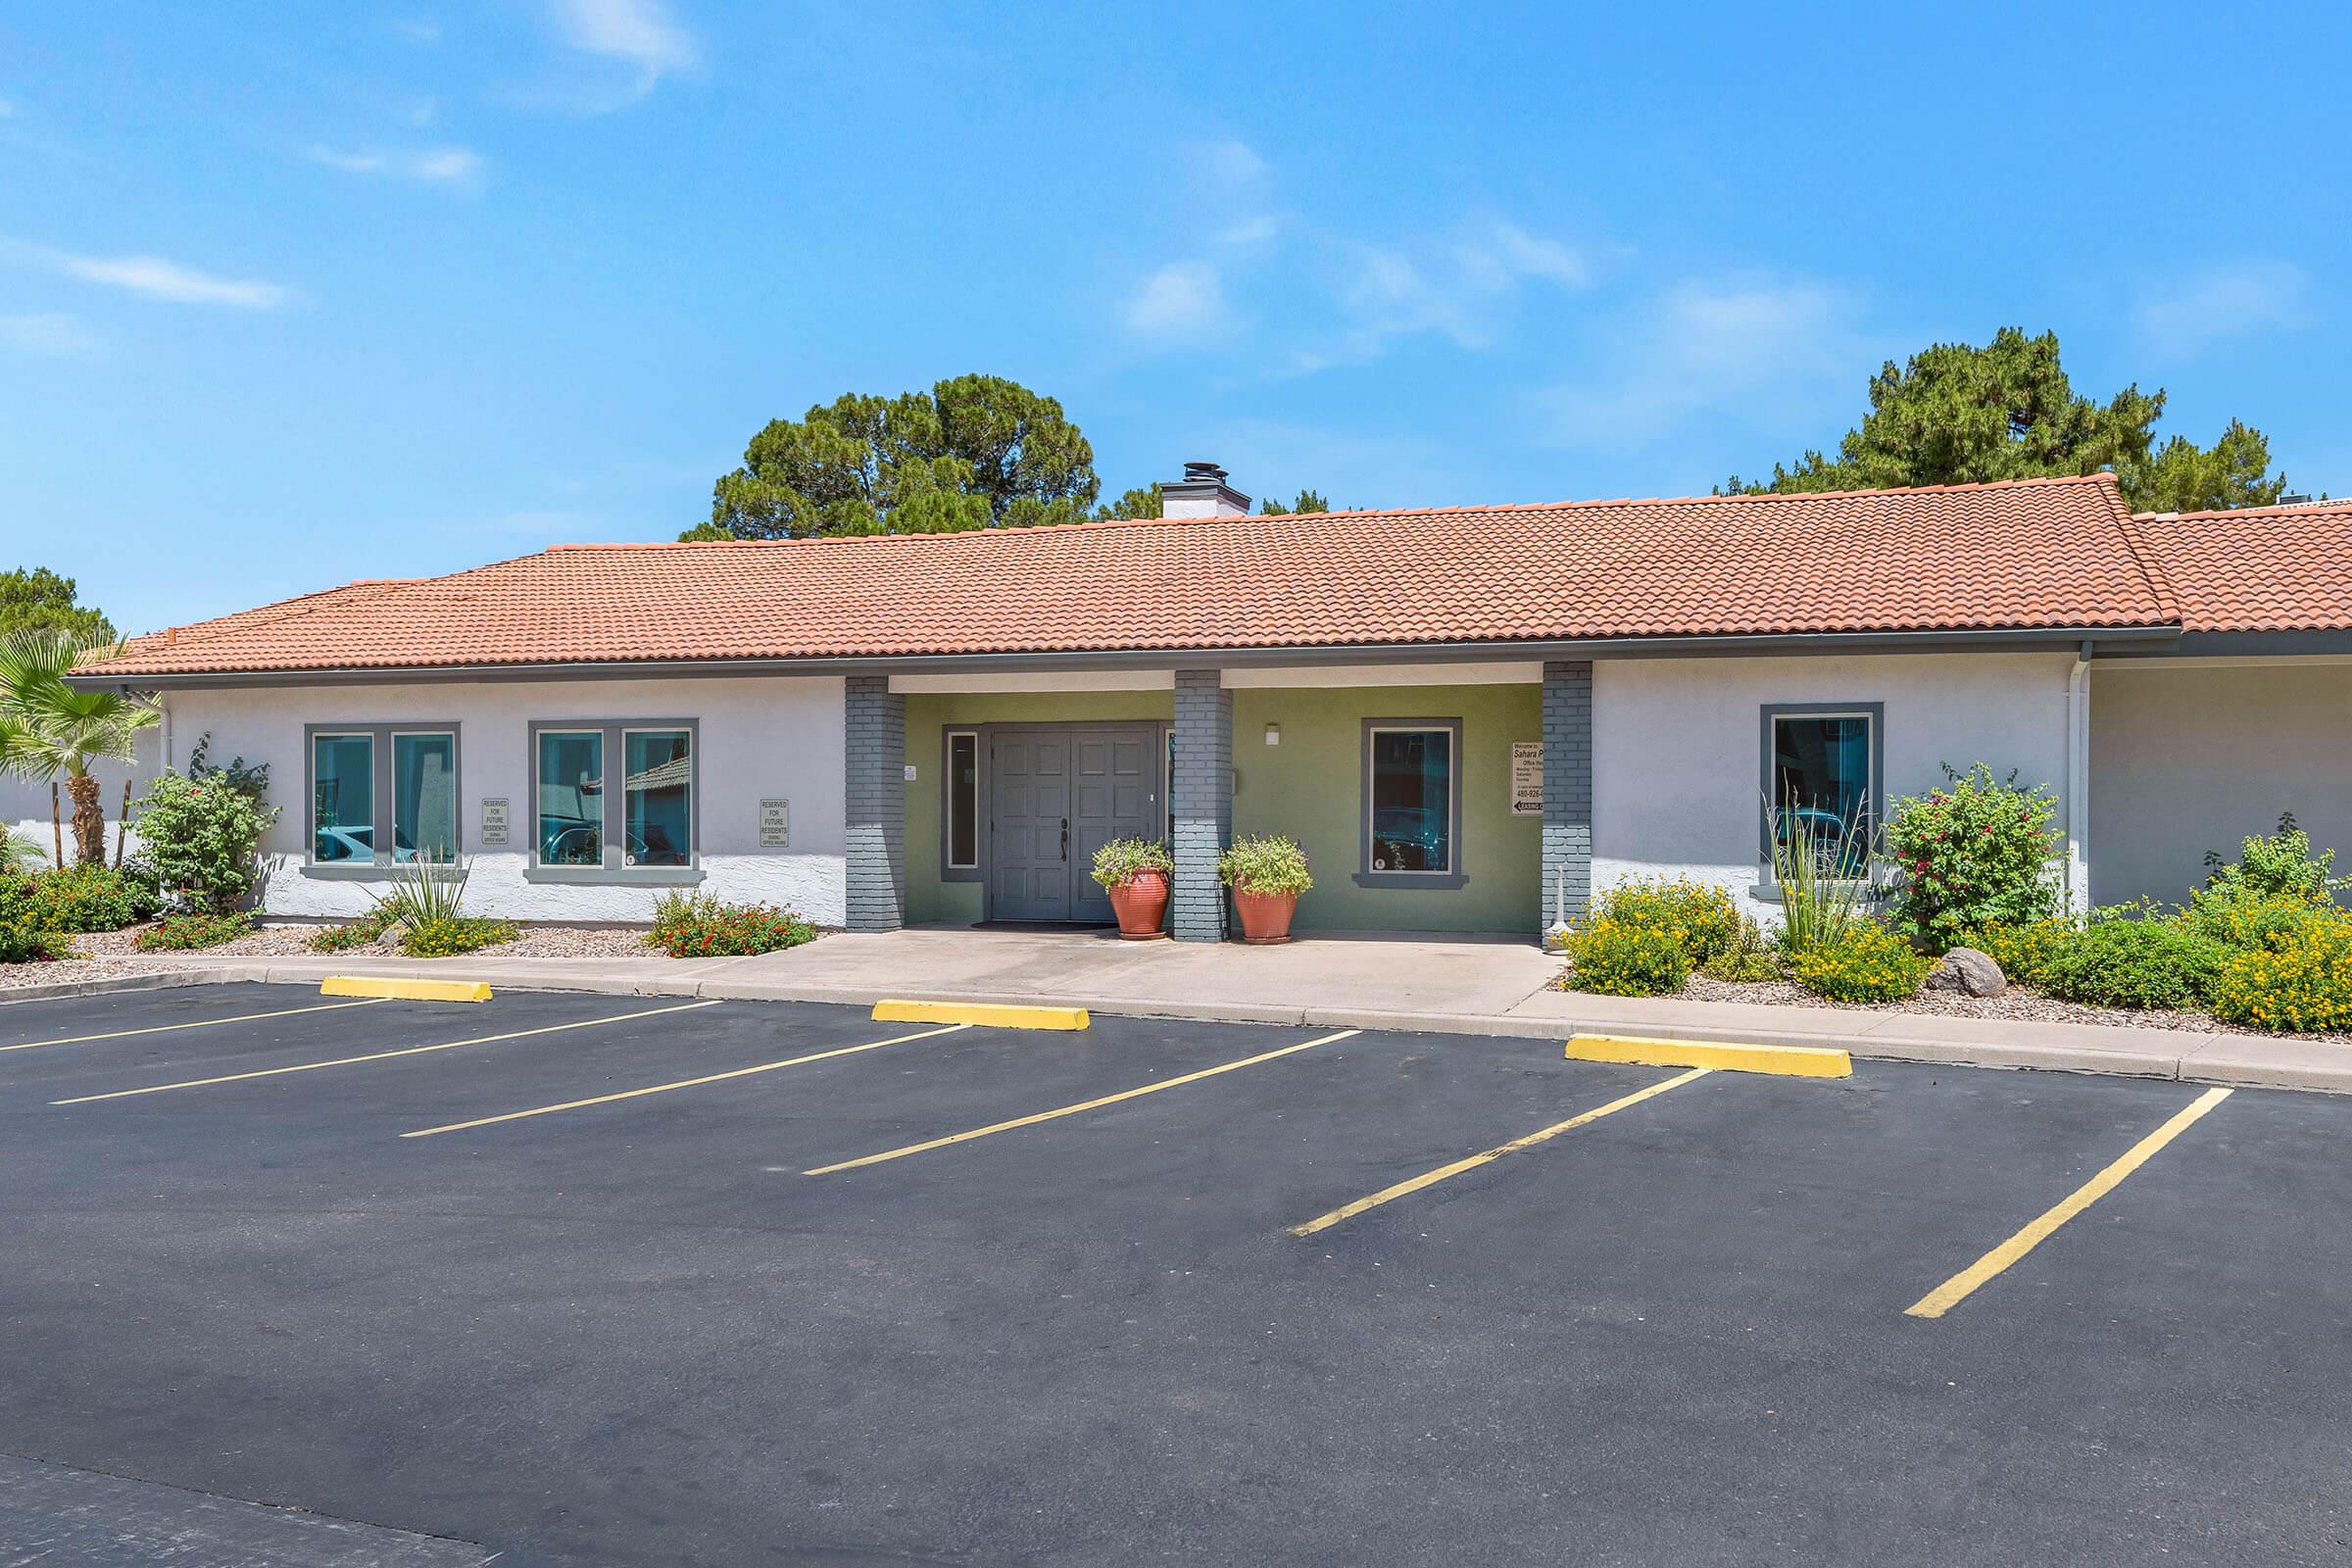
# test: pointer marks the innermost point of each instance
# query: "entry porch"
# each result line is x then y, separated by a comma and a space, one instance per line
1446, 798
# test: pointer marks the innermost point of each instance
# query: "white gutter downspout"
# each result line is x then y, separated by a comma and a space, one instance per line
2077, 783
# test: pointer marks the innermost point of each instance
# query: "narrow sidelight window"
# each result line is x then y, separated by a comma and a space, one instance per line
343, 798
963, 799
657, 797
571, 796
1412, 794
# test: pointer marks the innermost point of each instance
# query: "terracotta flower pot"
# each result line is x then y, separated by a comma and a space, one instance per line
1142, 905
1265, 916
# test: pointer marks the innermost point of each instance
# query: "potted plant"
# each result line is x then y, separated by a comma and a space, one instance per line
1135, 873
1267, 874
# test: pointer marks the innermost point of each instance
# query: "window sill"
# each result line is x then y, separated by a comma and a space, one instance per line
346, 870
1426, 881
615, 876
1871, 892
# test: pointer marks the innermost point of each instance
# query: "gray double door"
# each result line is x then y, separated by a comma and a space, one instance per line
1055, 796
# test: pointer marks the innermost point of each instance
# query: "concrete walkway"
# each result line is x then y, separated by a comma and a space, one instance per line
1456, 986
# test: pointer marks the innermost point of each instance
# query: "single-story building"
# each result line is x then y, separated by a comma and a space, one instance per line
1470, 717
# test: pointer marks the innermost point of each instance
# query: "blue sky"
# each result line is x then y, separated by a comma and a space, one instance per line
291, 295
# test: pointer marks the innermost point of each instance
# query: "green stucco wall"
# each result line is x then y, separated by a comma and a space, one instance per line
1310, 787
929, 716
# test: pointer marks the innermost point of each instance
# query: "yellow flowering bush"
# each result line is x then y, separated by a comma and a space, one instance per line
1701, 911
2021, 950
1628, 958
2299, 978
1865, 962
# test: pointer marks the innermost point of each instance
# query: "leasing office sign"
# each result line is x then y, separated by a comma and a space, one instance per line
1527, 779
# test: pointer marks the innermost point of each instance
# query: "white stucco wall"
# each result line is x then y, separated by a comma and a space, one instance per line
759, 737
2187, 757
1677, 774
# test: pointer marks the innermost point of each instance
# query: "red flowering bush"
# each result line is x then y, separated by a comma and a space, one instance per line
698, 925
1980, 852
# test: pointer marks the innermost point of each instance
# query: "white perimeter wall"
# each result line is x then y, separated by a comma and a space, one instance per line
1677, 777
760, 737
2192, 756
24, 808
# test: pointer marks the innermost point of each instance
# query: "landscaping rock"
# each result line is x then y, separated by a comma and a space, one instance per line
1965, 969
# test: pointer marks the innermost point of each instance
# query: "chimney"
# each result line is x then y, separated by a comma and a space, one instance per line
1203, 493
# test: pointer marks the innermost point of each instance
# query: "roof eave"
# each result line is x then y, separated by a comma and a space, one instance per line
1711, 646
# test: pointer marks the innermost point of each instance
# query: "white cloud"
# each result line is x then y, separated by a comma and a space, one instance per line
1776, 352
155, 278
52, 335
417, 30
2226, 302
1498, 258
441, 166
5, 109
636, 32
1180, 300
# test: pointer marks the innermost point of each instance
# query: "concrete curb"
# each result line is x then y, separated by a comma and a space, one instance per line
150, 980
2240, 1061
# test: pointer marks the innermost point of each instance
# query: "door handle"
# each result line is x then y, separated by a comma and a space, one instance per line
1065, 839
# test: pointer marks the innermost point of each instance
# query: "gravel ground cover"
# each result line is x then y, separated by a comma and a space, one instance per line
2022, 1003
105, 955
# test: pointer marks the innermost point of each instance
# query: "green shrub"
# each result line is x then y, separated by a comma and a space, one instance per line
699, 925
198, 838
1865, 962
80, 898
23, 941
2132, 961
2021, 950
1269, 864
1702, 912
1750, 959
2299, 978
202, 929
1627, 957
1117, 863
1980, 852
360, 933
447, 936
2276, 865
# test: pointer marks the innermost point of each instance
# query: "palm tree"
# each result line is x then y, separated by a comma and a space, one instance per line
49, 730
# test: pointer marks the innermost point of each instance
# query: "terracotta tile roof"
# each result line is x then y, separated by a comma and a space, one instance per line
2258, 568
2019, 556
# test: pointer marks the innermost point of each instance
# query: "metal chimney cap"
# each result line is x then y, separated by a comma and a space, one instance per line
1204, 471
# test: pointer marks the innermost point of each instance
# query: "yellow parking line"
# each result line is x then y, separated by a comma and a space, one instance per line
683, 1082
382, 1056
1952, 1292
1388, 1194
195, 1023
1072, 1111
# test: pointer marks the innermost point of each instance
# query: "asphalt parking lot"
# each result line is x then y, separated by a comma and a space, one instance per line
549, 1279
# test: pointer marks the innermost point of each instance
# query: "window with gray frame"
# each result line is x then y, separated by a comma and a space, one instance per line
1412, 804
960, 805
381, 795
1824, 776
615, 800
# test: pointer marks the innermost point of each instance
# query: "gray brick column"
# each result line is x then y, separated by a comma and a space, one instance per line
1567, 790
875, 731
1201, 810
